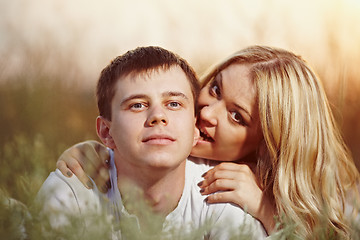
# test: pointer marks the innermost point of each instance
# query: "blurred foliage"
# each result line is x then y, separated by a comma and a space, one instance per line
39, 120
59, 113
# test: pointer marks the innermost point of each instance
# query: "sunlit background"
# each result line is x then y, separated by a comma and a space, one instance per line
51, 53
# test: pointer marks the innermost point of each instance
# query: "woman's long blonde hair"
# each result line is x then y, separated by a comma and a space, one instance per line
303, 162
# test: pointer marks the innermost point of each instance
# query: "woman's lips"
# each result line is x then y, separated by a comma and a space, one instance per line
205, 136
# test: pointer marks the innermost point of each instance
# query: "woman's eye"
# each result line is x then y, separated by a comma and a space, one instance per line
215, 90
236, 117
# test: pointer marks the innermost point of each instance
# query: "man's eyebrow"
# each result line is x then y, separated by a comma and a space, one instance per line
134, 96
244, 109
175, 94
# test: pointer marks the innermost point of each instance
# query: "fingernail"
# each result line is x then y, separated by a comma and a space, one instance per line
204, 174
90, 184
202, 190
69, 173
200, 183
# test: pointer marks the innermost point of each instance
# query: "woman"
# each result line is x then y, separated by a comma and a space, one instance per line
264, 109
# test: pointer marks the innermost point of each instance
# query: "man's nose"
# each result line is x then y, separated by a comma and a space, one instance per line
156, 116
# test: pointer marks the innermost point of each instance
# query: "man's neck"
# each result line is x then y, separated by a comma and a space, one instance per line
160, 188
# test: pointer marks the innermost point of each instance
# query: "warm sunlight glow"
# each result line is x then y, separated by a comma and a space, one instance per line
89, 33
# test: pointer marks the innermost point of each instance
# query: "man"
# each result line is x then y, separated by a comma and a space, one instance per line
146, 99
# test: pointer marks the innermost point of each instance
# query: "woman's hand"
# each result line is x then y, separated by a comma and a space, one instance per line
89, 158
236, 183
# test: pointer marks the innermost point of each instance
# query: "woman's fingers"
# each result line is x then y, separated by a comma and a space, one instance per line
93, 153
232, 171
61, 165
86, 154
211, 177
220, 185
77, 169
232, 182
86, 159
100, 177
223, 197
236, 183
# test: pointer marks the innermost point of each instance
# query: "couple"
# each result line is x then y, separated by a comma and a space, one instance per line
262, 107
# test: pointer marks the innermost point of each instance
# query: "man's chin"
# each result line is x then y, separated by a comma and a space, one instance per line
163, 161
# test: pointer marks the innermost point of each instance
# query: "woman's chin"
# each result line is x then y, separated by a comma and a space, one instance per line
204, 150
200, 150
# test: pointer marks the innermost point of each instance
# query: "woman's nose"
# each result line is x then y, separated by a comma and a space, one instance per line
208, 115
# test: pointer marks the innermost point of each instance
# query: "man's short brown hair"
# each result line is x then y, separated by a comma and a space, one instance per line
139, 60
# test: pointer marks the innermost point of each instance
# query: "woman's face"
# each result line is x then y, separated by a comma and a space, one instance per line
228, 117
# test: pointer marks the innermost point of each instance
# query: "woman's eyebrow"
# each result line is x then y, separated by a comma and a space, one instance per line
219, 80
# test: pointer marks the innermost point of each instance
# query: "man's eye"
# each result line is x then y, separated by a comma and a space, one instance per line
137, 106
174, 105
236, 117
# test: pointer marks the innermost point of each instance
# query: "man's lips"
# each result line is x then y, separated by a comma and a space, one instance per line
158, 139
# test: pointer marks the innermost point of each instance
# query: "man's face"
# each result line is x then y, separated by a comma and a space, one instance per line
152, 123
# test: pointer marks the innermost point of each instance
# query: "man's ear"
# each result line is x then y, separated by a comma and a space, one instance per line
196, 136
103, 131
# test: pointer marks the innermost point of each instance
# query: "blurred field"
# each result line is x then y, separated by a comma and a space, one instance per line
49, 64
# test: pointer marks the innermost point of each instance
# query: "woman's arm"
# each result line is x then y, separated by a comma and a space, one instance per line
89, 158
236, 183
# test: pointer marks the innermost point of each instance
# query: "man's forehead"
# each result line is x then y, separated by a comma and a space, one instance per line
160, 81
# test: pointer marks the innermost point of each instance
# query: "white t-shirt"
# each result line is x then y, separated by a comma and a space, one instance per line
62, 195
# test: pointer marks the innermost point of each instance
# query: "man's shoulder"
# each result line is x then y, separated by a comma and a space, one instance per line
65, 200
198, 165
56, 182
66, 194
